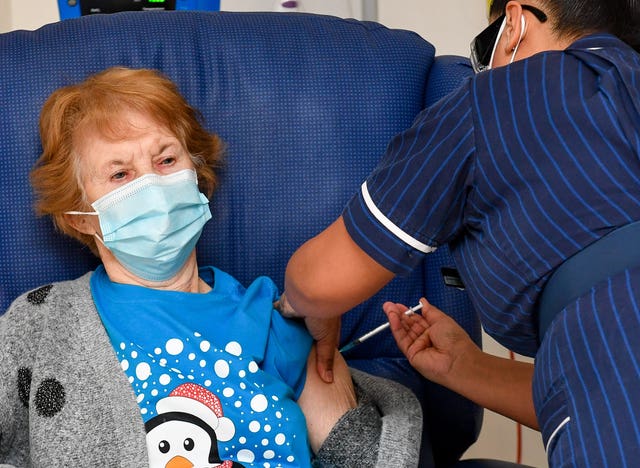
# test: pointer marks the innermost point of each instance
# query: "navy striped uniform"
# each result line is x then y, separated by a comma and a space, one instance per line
518, 170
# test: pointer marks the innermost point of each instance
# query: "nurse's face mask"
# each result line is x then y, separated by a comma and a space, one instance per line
484, 45
152, 224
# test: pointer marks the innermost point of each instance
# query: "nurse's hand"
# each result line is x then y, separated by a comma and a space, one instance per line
432, 341
438, 348
326, 333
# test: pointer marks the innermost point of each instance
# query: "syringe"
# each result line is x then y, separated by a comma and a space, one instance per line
375, 331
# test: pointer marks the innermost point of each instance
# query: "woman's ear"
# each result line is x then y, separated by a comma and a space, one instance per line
84, 224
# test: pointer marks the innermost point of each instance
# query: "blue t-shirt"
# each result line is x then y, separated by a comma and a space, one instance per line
216, 375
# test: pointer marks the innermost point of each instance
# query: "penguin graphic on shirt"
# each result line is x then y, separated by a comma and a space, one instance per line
186, 430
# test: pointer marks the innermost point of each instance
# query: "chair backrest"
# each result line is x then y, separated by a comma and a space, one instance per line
306, 105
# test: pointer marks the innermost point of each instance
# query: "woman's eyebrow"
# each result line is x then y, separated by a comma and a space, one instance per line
164, 145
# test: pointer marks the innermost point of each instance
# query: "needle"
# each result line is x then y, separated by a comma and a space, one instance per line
376, 330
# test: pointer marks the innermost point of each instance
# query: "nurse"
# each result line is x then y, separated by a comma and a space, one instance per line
530, 161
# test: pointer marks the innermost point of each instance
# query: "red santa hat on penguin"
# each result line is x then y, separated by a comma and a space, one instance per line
202, 403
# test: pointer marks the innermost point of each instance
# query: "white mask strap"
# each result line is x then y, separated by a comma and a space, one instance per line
515, 49
92, 213
97, 236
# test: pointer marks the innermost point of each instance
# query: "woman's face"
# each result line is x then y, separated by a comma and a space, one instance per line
106, 164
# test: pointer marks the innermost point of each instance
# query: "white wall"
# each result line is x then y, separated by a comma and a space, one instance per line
5, 15
342, 8
449, 25
27, 14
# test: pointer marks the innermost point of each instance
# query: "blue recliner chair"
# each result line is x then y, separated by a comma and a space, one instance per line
306, 105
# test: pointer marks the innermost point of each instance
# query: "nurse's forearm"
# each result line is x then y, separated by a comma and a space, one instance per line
330, 274
498, 384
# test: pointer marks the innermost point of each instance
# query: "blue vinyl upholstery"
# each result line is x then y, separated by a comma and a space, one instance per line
306, 105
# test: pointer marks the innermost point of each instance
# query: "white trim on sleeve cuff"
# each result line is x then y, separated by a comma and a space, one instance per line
386, 222
564, 422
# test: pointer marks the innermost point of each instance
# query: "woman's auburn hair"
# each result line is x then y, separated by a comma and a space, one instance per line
100, 103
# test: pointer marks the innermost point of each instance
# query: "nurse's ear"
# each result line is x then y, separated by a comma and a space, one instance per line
515, 28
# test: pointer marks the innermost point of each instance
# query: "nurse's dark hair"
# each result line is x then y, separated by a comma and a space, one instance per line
571, 18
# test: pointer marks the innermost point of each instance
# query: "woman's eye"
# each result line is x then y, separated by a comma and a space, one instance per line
119, 175
168, 161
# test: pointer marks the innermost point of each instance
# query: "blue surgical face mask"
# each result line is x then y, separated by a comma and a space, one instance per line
152, 224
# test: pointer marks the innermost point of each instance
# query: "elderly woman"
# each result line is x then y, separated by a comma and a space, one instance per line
196, 369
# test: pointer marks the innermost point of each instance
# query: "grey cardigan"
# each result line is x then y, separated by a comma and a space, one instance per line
65, 401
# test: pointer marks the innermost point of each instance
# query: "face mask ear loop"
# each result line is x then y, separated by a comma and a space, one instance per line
81, 213
90, 213
99, 239
515, 49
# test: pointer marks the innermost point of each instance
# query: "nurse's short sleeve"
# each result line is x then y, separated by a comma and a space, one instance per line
415, 198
